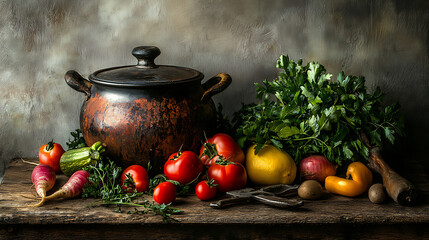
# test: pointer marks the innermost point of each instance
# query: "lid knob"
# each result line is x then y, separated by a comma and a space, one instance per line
146, 55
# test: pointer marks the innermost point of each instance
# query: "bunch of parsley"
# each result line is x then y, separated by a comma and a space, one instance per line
304, 112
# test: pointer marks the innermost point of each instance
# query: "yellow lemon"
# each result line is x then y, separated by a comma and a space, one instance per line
270, 166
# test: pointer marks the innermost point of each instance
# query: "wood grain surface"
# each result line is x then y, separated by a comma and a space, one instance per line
332, 216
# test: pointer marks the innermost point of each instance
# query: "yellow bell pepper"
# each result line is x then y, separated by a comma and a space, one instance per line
360, 182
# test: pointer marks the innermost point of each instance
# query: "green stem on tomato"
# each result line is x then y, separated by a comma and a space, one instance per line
209, 150
49, 146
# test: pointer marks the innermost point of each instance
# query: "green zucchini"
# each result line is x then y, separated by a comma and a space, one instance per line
76, 159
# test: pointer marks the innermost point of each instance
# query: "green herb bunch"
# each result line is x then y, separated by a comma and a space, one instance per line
78, 140
304, 112
104, 183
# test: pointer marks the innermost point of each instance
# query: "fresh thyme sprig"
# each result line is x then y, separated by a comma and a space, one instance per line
104, 183
164, 210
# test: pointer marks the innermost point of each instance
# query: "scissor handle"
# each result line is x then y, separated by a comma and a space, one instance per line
283, 190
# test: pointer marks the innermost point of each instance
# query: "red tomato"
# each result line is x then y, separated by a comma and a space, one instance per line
183, 167
205, 190
50, 154
228, 175
164, 193
223, 145
139, 176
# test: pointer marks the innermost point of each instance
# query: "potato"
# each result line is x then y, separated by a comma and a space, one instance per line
310, 190
376, 193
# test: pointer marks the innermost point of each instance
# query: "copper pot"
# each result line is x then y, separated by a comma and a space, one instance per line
146, 112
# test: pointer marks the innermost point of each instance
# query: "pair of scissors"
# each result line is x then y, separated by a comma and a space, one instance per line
270, 195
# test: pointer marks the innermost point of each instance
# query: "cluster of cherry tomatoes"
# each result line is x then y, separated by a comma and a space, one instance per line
220, 160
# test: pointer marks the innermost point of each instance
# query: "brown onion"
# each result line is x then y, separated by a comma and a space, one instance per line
316, 168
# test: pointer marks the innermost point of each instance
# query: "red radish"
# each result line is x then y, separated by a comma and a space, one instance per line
316, 168
72, 188
43, 178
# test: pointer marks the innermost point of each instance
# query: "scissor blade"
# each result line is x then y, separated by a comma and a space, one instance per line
280, 189
278, 201
245, 192
230, 201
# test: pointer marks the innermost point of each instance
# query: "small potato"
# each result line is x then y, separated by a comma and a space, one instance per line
376, 193
310, 190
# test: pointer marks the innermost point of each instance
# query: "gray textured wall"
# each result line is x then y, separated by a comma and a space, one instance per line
386, 41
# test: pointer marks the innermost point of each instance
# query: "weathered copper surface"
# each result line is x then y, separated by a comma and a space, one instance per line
146, 127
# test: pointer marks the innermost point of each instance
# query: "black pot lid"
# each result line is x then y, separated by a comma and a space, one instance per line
146, 73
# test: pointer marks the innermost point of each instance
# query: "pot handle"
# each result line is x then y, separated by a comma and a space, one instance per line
78, 83
215, 85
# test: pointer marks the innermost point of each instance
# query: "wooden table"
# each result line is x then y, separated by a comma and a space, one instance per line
332, 217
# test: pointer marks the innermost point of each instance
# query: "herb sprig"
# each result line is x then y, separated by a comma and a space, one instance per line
77, 142
164, 210
304, 112
104, 183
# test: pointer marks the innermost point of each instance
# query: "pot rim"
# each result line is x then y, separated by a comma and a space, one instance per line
143, 84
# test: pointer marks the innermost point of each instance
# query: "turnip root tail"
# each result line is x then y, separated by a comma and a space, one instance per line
73, 187
40, 203
41, 191
28, 162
